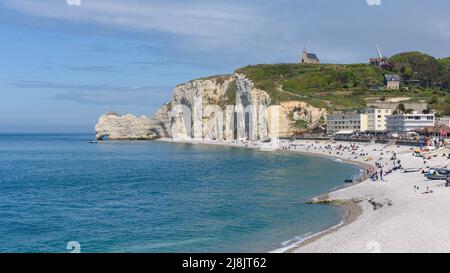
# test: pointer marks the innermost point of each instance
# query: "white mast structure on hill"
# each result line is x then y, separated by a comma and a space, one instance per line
379, 52
380, 61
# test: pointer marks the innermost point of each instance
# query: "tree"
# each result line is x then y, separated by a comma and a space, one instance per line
401, 108
418, 66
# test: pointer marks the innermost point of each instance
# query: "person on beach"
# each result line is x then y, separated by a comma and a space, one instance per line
447, 180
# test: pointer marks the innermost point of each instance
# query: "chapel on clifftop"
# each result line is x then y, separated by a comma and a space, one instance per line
309, 58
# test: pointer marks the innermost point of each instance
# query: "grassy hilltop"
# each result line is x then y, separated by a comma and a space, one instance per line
349, 86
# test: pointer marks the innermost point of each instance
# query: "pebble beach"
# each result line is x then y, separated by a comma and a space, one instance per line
387, 209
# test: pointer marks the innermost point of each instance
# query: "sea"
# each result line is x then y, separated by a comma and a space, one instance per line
60, 193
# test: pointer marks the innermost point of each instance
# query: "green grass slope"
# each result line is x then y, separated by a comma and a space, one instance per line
346, 87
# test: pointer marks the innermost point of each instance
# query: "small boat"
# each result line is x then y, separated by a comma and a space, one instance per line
93, 141
349, 181
412, 170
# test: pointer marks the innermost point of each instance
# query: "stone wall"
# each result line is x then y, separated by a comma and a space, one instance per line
416, 106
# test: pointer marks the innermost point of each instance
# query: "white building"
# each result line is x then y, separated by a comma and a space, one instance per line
409, 122
370, 120
374, 119
345, 121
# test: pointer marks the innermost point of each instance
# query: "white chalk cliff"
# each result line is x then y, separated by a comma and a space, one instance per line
217, 108
129, 127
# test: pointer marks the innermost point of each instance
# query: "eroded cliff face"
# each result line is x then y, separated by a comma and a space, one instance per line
196, 112
217, 108
251, 108
293, 111
224, 107
129, 127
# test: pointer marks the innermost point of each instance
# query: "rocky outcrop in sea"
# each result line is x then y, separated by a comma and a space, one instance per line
112, 126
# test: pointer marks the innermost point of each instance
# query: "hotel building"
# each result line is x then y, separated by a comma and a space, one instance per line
409, 122
343, 121
370, 120
376, 119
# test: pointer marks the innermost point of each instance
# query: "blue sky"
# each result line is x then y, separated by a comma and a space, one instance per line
62, 66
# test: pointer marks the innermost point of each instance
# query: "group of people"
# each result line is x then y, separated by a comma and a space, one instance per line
386, 160
350, 151
428, 191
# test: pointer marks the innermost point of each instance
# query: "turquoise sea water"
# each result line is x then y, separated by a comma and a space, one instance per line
157, 197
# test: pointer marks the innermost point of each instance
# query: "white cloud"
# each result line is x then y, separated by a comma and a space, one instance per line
239, 32
210, 23
101, 94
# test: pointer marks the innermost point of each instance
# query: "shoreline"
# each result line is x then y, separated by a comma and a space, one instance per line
402, 212
356, 209
350, 210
